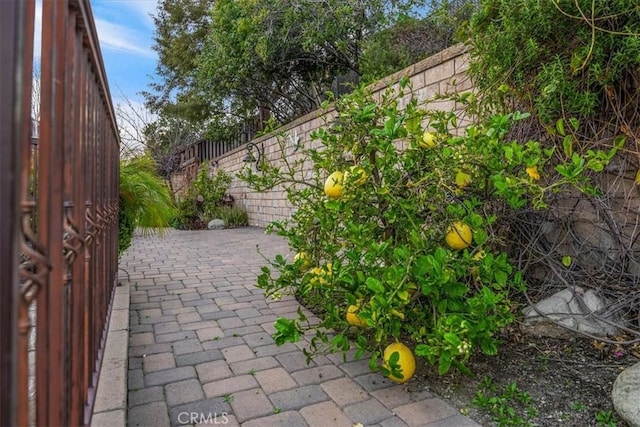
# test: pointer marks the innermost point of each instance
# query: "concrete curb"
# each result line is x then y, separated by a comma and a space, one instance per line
110, 409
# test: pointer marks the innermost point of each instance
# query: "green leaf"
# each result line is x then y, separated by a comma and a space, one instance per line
501, 277
595, 165
575, 123
301, 315
414, 124
452, 339
444, 363
456, 290
489, 347
462, 368
422, 266
442, 306
480, 236
422, 350
567, 145
403, 295
563, 170
566, 260
389, 127
375, 285
286, 331
560, 127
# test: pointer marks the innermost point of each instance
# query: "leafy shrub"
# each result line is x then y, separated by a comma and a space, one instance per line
126, 228
560, 58
376, 238
205, 200
233, 216
145, 199
571, 62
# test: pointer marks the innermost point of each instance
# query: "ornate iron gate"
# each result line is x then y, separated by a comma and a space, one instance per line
58, 214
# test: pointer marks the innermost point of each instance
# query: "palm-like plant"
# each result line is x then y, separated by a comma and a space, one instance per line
145, 199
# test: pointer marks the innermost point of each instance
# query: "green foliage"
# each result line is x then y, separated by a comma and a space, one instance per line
180, 28
164, 138
223, 62
282, 57
411, 39
145, 199
379, 243
558, 57
508, 406
204, 201
607, 418
126, 228
233, 216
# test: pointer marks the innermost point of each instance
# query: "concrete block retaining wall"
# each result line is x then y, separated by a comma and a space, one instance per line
574, 219
441, 73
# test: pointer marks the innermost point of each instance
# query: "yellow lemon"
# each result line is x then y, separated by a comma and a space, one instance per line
428, 140
406, 361
303, 258
463, 179
333, 185
458, 235
353, 318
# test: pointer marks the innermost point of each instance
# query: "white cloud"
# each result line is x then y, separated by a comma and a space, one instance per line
112, 36
144, 8
120, 38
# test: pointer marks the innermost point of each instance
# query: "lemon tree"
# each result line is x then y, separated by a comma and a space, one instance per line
399, 247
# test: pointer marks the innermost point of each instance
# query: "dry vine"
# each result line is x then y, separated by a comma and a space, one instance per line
600, 233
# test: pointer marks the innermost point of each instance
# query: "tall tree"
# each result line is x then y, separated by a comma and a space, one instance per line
282, 55
181, 27
412, 39
222, 62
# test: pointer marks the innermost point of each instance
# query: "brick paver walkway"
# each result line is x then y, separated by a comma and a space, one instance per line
201, 352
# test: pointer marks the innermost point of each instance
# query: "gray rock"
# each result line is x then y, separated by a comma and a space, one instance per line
551, 316
626, 395
216, 224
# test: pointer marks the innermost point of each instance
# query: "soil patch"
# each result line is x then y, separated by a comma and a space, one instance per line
568, 381
563, 382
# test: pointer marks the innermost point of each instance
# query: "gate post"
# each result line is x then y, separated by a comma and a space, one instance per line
16, 57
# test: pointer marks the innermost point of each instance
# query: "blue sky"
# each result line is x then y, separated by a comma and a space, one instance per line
125, 30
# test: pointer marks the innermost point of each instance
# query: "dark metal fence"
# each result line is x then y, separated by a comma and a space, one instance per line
203, 150
58, 215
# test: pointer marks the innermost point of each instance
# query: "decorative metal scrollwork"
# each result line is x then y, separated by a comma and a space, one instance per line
34, 265
91, 227
73, 241
101, 220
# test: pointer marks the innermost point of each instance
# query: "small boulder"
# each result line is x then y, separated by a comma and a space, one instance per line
216, 224
626, 395
553, 315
